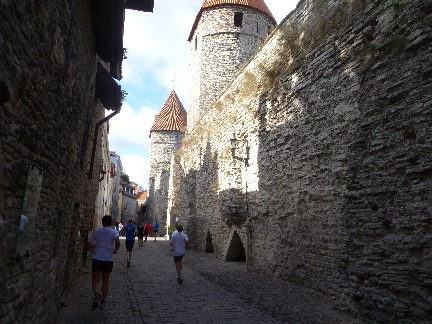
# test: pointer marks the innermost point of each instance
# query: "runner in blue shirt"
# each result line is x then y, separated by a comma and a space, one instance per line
156, 229
130, 232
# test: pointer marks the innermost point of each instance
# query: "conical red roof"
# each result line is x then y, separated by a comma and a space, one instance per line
172, 117
256, 4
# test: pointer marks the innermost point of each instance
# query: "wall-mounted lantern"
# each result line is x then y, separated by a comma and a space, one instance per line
234, 142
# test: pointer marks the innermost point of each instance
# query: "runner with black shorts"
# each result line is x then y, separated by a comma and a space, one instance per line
105, 242
130, 232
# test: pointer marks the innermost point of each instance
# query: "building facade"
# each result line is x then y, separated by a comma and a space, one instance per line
128, 202
54, 92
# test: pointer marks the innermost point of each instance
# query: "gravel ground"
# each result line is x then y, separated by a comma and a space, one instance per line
283, 301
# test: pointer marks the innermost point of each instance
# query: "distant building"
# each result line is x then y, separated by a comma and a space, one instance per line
142, 204
142, 198
128, 202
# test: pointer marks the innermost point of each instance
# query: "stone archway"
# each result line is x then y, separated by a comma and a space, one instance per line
209, 243
236, 250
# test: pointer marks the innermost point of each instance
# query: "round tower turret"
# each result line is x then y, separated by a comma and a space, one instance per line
225, 34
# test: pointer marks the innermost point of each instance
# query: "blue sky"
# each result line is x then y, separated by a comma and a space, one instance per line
157, 62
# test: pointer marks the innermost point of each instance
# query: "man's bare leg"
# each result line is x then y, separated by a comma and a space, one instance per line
105, 285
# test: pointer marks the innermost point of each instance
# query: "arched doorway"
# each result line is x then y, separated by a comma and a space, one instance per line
236, 251
209, 243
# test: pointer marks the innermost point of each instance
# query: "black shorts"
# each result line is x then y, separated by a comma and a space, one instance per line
145, 233
178, 258
102, 266
140, 236
129, 245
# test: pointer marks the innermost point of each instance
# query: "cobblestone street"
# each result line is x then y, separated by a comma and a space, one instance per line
212, 292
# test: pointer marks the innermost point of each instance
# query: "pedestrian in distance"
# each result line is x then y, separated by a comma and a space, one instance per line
156, 230
178, 242
140, 235
146, 231
104, 242
150, 230
121, 229
130, 230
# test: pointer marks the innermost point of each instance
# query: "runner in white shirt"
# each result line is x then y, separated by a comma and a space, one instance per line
105, 242
178, 242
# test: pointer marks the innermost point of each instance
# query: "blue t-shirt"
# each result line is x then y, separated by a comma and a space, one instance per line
130, 232
156, 227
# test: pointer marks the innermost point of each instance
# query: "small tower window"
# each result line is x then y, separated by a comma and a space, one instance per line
196, 43
257, 28
238, 19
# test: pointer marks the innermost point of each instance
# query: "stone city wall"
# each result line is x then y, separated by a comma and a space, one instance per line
336, 111
47, 119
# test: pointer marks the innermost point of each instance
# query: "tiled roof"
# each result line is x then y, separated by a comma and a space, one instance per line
256, 4
172, 117
142, 195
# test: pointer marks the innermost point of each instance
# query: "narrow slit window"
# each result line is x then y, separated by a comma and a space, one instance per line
257, 28
196, 43
238, 19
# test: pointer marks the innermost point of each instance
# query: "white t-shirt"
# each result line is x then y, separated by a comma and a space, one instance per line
104, 238
179, 240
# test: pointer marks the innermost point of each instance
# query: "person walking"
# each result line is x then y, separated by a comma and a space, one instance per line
156, 230
150, 230
121, 229
146, 231
140, 235
178, 242
104, 242
130, 231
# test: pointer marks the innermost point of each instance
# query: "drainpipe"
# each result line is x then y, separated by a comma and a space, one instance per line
99, 123
248, 237
248, 232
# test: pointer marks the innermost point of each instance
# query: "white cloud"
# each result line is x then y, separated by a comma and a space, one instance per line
136, 167
130, 129
129, 138
281, 8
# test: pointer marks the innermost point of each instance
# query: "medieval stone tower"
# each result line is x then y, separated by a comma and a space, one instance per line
166, 134
225, 34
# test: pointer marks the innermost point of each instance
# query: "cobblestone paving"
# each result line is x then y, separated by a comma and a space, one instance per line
212, 292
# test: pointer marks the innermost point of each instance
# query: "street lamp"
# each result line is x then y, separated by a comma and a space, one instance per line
234, 145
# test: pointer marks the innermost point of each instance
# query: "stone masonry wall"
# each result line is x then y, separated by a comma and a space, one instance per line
47, 118
336, 111
218, 49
